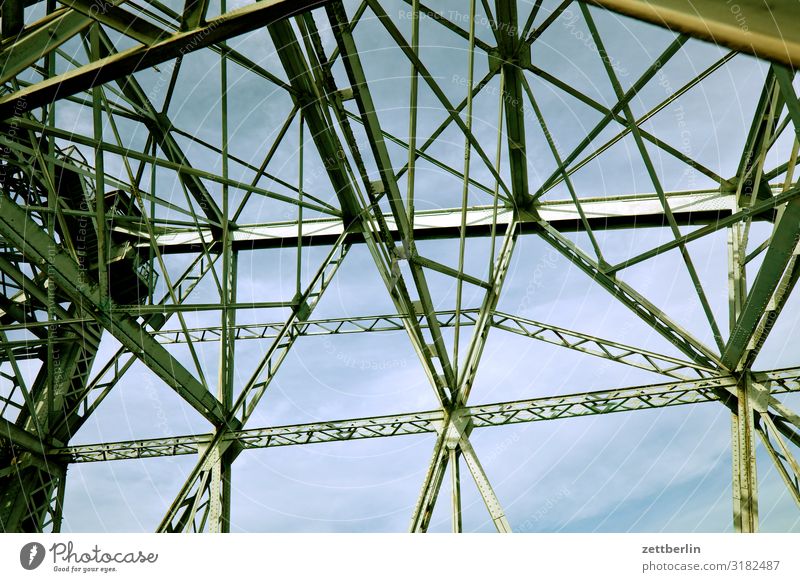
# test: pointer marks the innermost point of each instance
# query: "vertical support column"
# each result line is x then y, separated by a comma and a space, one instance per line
58, 505
220, 492
745, 483
743, 453
219, 518
53, 362
220, 485
455, 475
100, 188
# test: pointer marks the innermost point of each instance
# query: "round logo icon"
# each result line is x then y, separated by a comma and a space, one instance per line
31, 555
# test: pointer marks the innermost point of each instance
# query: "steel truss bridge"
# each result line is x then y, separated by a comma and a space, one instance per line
77, 266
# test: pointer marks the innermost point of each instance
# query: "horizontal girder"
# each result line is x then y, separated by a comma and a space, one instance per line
547, 408
640, 210
611, 350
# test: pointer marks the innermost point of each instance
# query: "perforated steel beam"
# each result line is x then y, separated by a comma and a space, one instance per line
484, 415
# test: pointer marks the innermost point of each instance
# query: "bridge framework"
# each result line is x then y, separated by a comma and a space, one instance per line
76, 265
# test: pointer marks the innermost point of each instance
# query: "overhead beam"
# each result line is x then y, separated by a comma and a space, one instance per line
765, 29
640, 210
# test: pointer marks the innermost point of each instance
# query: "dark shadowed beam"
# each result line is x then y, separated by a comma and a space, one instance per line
21, 437
309, 99
512, 56
12, 12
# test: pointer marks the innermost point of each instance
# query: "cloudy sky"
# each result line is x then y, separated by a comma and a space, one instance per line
658, 470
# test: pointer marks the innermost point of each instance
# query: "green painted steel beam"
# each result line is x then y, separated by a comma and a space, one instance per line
310, 99
782, 247
38, 41
228, 25
17, 228
431, 485
704, 208
194, 12
649, 313
559, 336
12, 13
603, 348
645, 397
513, 55
22, 438
449, 271
469, 370
124, 21
380, 153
